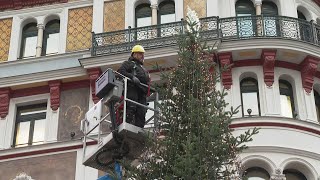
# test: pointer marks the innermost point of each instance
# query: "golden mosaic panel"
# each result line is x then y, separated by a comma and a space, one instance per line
114, 15
5, 34
79, 29
200, 6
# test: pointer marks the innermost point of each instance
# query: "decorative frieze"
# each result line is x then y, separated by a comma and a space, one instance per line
79, 28
114, 15
268, 58
94, 74
225, 60
5, 34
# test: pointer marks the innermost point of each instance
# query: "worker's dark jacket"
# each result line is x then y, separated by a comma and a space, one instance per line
127, 69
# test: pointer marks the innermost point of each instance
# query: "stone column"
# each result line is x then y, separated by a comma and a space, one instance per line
258, 7
39, 40
259, 21
278, 175
154, 18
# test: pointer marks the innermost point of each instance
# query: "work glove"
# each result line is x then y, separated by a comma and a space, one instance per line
135, 80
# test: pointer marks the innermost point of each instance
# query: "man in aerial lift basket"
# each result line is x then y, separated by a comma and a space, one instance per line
133, 69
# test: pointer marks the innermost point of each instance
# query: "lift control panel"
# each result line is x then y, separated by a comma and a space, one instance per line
105, 83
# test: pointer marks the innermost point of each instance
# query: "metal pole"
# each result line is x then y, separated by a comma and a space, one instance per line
156, 112
84, 143
112, 115
99, 136
125, 100
92, 44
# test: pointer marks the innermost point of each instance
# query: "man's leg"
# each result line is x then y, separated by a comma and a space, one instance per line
141, 111
132, 94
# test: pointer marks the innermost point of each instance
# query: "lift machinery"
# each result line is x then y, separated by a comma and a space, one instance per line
125, 140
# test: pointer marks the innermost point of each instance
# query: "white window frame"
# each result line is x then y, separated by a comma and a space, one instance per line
51, 122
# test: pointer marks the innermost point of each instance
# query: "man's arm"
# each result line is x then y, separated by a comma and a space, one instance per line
126, 69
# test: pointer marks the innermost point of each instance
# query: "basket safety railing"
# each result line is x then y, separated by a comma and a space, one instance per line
152, 122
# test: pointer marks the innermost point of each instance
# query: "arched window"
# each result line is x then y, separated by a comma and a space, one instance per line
270, 10
51, 38
301, 15
256, 173
143, 15
246, 25
166, 13
29, 40
286, 99
305, 28
245, 8
293, 174
317, 102
250, 97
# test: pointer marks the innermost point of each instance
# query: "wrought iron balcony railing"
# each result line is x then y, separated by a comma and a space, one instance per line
212, 28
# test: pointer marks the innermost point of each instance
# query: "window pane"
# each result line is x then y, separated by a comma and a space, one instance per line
286, 109
29, 49
22, 136
30, 128
38, 132
52, 43
146, 21
168, 18
292, 174
256, 173
250, 101
51, 38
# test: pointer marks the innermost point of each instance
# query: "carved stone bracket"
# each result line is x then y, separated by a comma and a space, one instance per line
225, 62
278, 175
308, 70
4, 101
55, 89
268, 59
94, 74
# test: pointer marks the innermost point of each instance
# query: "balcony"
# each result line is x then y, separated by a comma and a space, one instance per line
212, 28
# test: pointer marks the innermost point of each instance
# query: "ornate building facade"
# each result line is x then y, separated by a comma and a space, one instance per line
52, 51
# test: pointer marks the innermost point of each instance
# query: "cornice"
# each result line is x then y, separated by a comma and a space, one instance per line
42, 76
283, 150
37, 65
270, 44
281, 120
73, 4
105, 60
43, 58
42, 149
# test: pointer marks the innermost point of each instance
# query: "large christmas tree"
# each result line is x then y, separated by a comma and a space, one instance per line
196, 141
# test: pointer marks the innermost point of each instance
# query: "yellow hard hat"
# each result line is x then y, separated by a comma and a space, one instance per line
138, 48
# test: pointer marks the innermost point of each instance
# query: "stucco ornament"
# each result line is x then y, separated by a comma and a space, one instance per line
23, 176
192, 18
